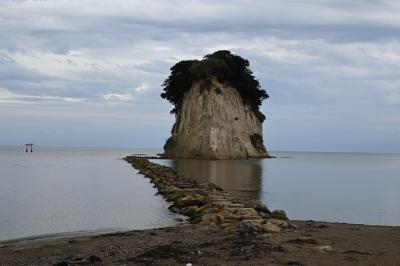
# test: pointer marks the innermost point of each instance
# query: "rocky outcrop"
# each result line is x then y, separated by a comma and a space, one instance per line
213, 122
208, 204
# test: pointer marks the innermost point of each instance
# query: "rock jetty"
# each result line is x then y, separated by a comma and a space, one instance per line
239, 233
206, 203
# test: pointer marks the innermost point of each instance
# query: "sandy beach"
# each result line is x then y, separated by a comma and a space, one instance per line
312, 243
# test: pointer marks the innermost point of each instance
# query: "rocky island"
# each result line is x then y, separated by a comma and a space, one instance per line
216, 102
217, 108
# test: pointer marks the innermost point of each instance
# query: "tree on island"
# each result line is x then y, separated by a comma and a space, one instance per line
222, 65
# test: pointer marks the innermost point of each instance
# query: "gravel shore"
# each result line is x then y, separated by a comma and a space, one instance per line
312, 243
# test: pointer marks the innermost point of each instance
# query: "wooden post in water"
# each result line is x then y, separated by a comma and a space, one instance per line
28, 145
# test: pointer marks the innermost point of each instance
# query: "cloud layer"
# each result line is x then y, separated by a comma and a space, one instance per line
330, 67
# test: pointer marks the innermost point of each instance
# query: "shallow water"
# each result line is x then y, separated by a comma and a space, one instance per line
55, 190
342, 187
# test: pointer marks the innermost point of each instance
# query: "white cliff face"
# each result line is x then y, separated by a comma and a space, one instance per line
214, 123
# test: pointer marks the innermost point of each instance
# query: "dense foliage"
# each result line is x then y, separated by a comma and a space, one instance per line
226, 68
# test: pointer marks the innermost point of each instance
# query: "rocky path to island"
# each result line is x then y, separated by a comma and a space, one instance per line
208, 204
223, 231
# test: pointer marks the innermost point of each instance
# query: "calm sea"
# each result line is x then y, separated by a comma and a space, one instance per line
341, 187
55, 190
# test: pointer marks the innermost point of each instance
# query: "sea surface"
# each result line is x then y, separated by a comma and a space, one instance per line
338, 187
57, 190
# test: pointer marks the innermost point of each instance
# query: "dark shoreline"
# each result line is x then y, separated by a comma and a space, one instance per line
31, 239
312, 243
225, 231
55, 236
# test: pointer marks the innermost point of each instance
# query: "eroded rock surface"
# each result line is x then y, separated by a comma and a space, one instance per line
214, 123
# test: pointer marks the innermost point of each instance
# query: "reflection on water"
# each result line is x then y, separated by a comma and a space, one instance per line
240, 177
342, 187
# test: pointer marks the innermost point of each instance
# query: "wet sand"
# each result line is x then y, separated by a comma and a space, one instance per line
312, 243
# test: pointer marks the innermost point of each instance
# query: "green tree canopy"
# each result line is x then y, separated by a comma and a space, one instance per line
226, 68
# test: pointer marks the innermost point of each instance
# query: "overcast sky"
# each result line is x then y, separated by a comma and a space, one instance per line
89, 72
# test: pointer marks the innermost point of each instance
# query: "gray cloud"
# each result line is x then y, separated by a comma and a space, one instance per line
324, 63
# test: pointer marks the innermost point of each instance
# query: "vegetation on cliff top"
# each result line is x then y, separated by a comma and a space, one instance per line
226, 68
